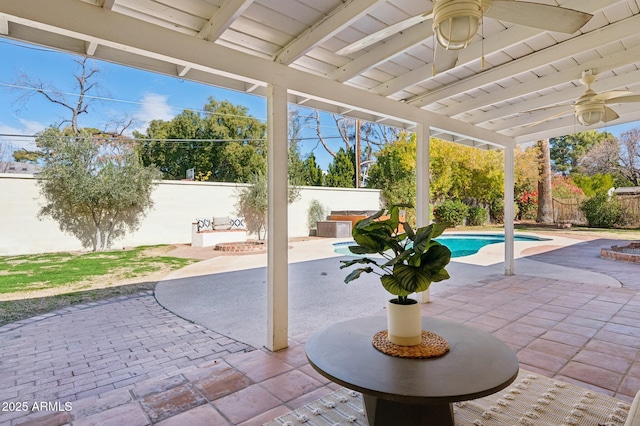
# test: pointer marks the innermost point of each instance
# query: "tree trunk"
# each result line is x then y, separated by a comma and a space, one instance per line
545, 200
97, 243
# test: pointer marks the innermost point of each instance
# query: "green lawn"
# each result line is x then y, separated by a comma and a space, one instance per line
36, 284
46, 271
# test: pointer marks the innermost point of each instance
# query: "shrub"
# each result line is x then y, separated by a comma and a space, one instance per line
527, 205
496, 210
316, 213
452, 211
477, 216
602, 211
563, 187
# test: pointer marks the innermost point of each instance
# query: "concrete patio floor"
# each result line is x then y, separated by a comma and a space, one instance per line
129, 361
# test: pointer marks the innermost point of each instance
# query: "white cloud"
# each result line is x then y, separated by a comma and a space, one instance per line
27, 127
153, 107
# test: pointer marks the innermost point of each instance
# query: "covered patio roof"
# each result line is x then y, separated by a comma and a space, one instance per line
488, 95
246, 44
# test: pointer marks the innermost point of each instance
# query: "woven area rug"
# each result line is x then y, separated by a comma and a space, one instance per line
531, 400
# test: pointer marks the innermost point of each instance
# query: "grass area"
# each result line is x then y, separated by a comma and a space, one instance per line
31, 285
46, 271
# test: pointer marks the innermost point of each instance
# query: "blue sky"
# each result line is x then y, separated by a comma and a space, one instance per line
125, 91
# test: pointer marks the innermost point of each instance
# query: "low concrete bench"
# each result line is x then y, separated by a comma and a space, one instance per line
209, 232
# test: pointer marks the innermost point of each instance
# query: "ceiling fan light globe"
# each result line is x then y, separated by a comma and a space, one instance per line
456, 22
589, 115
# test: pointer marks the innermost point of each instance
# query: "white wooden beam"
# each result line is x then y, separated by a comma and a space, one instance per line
277, 239
612, 33
4, 26
622, 80
108, 4
182, 70
501, 41
336, 21
85, 22
91, 47
570, 74
223, 18
496, 43
395, 46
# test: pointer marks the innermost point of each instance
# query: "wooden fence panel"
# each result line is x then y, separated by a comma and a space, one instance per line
567, 210
631, 205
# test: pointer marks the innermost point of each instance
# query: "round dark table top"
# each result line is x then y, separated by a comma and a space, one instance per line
477, 365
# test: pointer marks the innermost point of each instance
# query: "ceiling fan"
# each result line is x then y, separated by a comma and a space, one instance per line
591, 108
455, 22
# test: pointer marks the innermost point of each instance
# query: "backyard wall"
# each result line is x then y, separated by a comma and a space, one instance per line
176, 205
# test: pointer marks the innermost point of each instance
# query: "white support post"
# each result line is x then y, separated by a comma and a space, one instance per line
277, 240
508, 211
422, 186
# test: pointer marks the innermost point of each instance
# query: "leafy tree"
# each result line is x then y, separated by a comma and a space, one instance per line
253, 203
26, 156
526, 182
564, 187
394, 172
95, 188
465, 173
312, 174
297, 123
565, 151
341, 173
223, 139
593, 184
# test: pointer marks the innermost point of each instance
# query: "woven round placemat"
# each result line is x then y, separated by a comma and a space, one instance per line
432, 345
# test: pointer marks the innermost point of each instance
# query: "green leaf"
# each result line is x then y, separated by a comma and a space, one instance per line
361, 261
441, 275
409, 231
363, 223
411, 279
422, 239
371, 243
436, 258
398, 259
392, 285
355, 274
439, 228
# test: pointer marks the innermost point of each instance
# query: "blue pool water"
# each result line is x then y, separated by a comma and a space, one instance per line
459, 244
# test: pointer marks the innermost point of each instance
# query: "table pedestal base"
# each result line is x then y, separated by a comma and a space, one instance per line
382, 412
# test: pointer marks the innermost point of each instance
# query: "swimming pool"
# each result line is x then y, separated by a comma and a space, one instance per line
459, 244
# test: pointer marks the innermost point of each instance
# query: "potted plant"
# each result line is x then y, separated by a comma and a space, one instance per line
409, 262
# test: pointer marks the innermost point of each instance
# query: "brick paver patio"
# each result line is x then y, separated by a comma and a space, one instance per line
128, 361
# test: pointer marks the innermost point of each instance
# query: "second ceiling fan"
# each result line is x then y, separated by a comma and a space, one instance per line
455, 22
591, 108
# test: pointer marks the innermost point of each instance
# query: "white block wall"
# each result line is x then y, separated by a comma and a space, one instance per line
176, 205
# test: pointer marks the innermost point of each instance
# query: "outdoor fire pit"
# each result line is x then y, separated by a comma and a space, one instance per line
629, 253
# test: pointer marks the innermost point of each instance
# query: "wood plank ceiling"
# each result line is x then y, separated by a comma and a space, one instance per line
525, 69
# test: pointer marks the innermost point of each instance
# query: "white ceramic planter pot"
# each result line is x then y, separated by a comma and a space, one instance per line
404, 323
